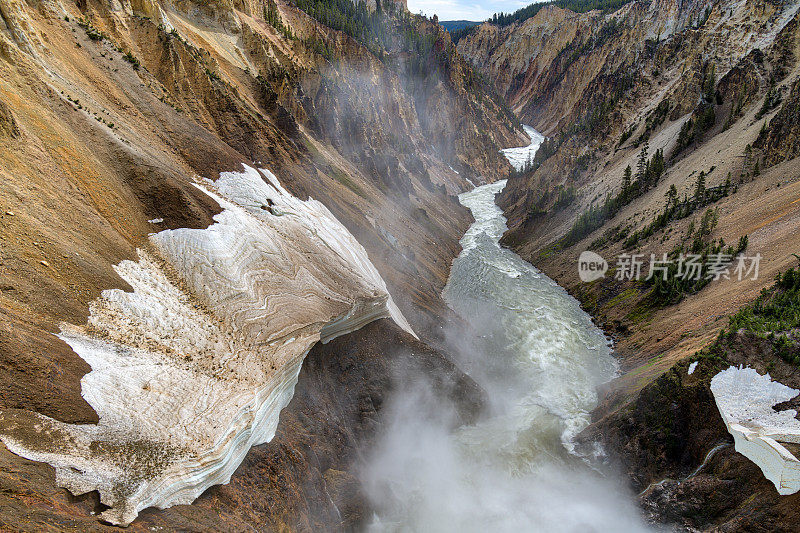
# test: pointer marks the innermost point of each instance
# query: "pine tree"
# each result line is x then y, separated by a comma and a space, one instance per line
641, 164
657, 165
672, 196
626, 180
700, 187
686, 135
710, 84
748, 152
271, 13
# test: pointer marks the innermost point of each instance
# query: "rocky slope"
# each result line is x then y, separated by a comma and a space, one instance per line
301, 480
685, 93
720, 105
680, 457
112, 111
192, 368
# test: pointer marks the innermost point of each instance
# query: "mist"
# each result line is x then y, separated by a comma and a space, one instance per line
539, 359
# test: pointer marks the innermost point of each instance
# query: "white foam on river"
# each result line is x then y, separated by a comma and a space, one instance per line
522, 155
540, 361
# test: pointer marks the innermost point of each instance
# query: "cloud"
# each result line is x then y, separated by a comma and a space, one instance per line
464, 9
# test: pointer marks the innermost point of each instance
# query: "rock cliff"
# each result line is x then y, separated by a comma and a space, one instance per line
192, 368
112, 113
670, 130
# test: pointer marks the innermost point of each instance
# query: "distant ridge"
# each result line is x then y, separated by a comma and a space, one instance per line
523, 14
454, 25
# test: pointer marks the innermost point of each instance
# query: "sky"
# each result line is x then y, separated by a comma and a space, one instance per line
465, 9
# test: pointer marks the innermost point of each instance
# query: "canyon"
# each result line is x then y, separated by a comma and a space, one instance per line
226, 237
692, 86
112, 116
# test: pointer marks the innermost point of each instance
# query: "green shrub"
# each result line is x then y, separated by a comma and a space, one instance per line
130, 58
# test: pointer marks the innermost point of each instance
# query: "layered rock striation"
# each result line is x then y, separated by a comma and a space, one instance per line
192, 368
111, 108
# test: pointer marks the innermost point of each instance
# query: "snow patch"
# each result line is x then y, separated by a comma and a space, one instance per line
745, 399
193, 367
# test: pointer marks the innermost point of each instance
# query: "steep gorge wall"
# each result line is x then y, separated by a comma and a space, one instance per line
113, 110
588, 79
192, 368
717, 94
550, 66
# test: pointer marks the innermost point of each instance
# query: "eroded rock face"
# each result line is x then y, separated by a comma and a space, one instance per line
191, 369
674, 444
8, 127
109, 147
607, 79
549, 65
781, 141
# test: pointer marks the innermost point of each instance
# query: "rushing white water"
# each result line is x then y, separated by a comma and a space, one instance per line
541, 361
521, 155
549, 345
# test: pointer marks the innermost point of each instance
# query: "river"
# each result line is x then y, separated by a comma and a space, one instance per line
523, 155
540, 360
